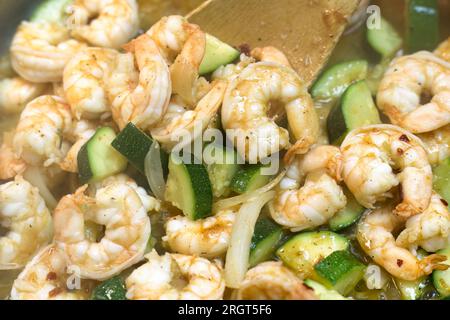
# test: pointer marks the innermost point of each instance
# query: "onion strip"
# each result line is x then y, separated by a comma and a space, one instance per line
154, 171
236, 264
34, 176
234, 201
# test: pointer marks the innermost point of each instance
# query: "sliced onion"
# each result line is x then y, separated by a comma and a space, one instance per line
154, 171
234, 201
236, 264
34, 176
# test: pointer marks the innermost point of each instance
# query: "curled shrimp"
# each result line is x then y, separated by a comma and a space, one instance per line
319, 199
410, 78
372, 153
48, 277
232, 70
207, 237
39, 133
437, 144
10, 164
140, 97
27, 220
40, 51
176, 277
127, 229
104, 23
443, 51
85, 81
270, 54
272, 281
246, 111
375, 235
429, 229
16, 92
180, 123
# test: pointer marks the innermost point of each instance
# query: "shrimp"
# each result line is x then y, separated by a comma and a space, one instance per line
373, 154
27, 220
443, 51
40, 51
10, 164
207, 237
429, 229
249, 99
319, 199
375, 235
48, 277
150, 203
232, 70
181, 123
16, 92
140, 97
408, 80
127, 229
176, 277
104, 23
272, 281
437, 143
270, 54
85, 81
39, 133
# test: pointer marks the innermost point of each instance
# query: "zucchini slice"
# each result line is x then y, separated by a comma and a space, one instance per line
441, 279
249, 178
441, 179
97, 159
134, 145
222, 171
265, 239
347, 216
188, 188
217, 53
50, 11
322, 292
422, 19
111, 289
340, 271
384, 40
357, 109
335, 80
304, 250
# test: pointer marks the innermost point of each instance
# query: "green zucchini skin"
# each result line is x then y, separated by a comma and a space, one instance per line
422, 18
249, 178
266, 237
347, 216
385, 40
111, 289
217, 53
441, 279
441, 183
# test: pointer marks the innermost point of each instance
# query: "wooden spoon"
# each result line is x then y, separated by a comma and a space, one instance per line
305, 30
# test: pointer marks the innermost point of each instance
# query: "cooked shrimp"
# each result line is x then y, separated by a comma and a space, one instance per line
375, 235
443, 51
319, 199
437, 143
181, 125
48, 277
372, 153
16, 92
39, 133
207, 237
170, 35
272, 281
270, 54
127, 229
150, 203
429, 229
104, 23
40, 51
230, 71
85, 82
140, 97
176, 277
10, 164
27, 220
408, 80
248, 102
